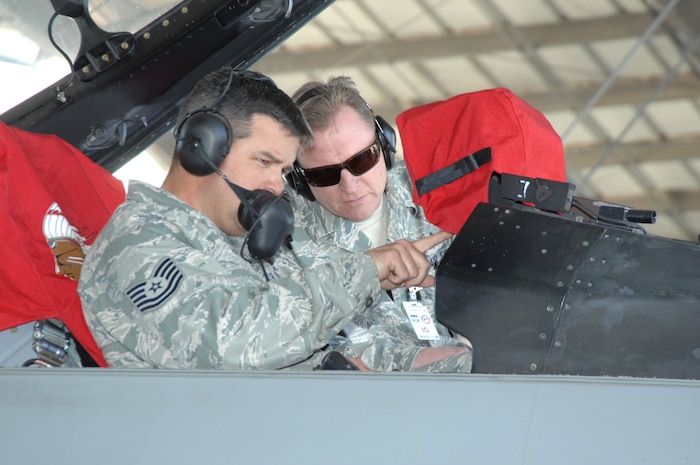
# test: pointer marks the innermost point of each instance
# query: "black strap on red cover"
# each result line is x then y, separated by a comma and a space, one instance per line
453, 172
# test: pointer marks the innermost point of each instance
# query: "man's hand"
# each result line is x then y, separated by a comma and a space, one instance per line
403, 263
434, 354
357, 361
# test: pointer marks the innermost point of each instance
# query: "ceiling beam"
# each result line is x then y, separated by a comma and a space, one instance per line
466, 43
686, 148
625, 91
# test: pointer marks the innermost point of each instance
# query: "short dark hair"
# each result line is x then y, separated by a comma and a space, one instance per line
240, 94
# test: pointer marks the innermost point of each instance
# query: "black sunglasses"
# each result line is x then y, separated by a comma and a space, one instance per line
358, 164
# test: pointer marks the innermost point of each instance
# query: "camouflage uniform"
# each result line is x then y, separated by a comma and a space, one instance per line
162, 286
384, 338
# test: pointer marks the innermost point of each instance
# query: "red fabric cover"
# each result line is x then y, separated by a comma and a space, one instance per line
438, 134
36, 171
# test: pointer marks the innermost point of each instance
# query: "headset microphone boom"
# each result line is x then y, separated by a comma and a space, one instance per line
267, 218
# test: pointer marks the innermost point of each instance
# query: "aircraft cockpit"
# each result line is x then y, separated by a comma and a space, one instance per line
585, 323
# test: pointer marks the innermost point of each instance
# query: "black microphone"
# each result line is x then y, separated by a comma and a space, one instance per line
268, 218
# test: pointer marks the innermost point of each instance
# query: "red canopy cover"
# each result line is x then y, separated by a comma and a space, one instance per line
454, 136
55, 200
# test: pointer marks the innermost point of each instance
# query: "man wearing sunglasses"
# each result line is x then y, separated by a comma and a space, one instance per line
192, 275
348, 190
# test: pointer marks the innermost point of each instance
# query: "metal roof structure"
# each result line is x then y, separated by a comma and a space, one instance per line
618, 80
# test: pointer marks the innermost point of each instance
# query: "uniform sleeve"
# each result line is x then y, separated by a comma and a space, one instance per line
169, 306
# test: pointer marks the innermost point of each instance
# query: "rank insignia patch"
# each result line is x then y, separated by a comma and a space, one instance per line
151, 293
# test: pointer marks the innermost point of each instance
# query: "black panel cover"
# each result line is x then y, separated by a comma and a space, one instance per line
541, 293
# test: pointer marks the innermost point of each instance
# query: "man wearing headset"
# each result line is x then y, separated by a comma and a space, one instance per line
192, 275
348, 191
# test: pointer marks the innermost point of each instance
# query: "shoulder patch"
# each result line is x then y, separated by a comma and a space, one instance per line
153, 292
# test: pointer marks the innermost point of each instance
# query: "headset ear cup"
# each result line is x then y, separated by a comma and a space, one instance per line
295, 178
202, 142
387, 140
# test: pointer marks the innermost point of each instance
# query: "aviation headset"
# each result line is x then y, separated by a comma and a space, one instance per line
203, 139
386, 136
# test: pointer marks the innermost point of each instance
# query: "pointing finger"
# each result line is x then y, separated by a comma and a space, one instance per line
425, 243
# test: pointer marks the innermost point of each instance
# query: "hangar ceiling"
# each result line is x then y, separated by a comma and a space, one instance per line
618, 80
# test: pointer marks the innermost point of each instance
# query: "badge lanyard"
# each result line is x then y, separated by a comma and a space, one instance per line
419, 316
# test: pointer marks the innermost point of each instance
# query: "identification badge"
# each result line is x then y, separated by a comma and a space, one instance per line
421, 320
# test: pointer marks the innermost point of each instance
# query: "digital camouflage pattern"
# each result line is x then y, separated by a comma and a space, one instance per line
384, 338
162, 286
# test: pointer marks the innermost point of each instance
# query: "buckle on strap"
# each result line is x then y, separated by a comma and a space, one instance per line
51, 342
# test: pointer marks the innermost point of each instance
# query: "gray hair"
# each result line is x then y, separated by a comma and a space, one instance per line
319, 102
